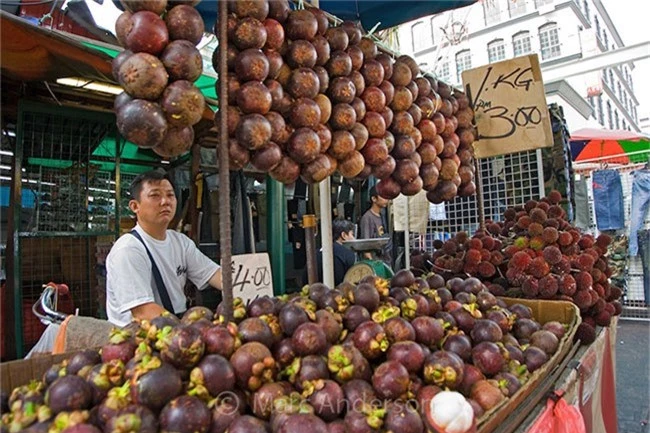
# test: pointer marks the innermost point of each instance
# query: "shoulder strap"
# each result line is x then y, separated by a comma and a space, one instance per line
160, 285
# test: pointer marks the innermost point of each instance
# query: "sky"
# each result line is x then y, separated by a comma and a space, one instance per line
631, 20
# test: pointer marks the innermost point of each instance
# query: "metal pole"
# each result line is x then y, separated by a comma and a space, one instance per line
309, 224
326, 231
12, 308
479, 193
276, 232
407, 236
224, 165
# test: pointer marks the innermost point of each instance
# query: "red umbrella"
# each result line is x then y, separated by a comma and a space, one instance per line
609, 146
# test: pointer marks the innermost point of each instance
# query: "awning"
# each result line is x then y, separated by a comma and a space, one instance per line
383, 12
32, 53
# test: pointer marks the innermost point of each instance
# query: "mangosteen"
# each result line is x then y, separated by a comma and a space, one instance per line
471, 375
155, 383
262, 400
428, 330
443, 368
488, 358
331, 324
142, 122
185, 414
398, 329
409, 354
524, 328
311, 367
309, 339
367, 296
132, 418
370, 338
458, 343
534, 358
303, 422
402, 418
346, 363
327, 399
185, 22
145, 32
253, 365
223, 414
486, 330
69, 393
214, 374
143, 76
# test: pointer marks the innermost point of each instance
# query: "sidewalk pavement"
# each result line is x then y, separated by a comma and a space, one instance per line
633, 376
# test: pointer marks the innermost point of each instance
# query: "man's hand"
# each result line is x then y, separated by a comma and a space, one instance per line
367, 256
147, 311
215, 281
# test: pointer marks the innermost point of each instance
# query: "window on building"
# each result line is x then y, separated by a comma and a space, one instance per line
597, 25
585, 9
496, 50
433, 36
516, 8
625, 125
620, 91
491, 11
463, 62
443, 72
616, 121
601, 115
521, 44
420, 37
540, 3
549, 41
610, 117
605, 40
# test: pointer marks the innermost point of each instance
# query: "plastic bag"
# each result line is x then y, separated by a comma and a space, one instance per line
559, 417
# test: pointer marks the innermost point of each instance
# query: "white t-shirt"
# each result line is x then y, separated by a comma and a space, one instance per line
130, 282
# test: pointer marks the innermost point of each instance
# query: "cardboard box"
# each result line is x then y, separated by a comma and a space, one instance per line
543, 311
20, 372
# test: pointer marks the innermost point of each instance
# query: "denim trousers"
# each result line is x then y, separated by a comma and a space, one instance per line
608, 200
640, 205
643, 237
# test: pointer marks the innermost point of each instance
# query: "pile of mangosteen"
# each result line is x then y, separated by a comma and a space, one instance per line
403, 356
307, 98
157, 71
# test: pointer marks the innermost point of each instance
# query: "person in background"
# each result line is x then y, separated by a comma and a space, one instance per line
148, 267
372, 225
344, 258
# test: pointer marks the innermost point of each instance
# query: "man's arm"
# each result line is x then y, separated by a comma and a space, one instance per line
215, 280
147, 311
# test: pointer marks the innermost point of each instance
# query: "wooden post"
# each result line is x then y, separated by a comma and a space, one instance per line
224, 165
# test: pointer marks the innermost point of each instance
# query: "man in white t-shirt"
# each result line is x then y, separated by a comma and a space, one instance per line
132, 287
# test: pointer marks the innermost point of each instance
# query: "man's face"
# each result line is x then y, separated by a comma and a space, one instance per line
347, 236
381, 202
157, 203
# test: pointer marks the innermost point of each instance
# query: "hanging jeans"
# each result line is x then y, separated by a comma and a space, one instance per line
608, 200
640, 205
644, 251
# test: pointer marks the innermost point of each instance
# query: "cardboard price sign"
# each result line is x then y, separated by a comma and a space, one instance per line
509, 106
251, 276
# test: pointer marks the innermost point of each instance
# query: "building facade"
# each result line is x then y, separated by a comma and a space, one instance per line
558, 31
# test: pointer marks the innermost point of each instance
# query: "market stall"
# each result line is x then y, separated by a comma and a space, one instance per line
441, 351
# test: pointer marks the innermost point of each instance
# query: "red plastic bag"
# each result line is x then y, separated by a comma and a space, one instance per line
559, 417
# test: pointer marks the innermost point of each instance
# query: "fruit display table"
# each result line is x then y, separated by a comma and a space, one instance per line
588, 382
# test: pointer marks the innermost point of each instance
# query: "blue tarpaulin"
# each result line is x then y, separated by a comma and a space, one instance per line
387, 13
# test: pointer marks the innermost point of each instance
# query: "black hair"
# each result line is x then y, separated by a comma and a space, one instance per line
340, 226
154, 176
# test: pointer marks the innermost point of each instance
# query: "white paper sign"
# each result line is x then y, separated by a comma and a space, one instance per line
251, 276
